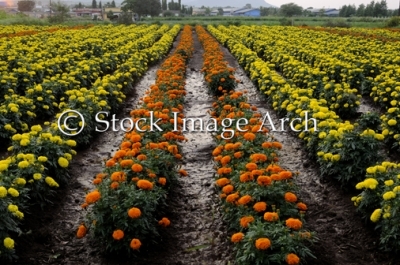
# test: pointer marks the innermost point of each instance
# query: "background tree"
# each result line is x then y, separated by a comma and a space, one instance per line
94, 4
26, 5
142, 7
369, 9
208, 11
247, 6
291, 9
61, 12
360, 10
164, 5
100, 5
113, 4
220, 11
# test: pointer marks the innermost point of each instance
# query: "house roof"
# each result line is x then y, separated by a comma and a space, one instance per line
242, 11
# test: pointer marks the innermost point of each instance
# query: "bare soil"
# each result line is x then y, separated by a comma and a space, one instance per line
197, 234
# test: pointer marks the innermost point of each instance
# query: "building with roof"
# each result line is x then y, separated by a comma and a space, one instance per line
247, 12
330, 12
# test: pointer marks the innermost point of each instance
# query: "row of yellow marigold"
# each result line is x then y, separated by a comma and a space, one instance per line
134, 184
35, 155
36, 87
259, 197
338, 146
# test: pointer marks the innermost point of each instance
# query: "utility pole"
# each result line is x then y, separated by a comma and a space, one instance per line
398, 13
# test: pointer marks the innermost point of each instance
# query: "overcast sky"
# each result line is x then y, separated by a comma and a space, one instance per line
392, 4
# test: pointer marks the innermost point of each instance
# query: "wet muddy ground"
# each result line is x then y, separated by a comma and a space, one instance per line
197, 234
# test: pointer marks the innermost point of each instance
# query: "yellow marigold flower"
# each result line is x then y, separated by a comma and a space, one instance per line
23, 164
371, 170
13, 192
370, 183
386, 215
8, 243
68, 156
19, 215
395, 189
3, 167
389, 182
389, 195
42, 159
3, 192
392, 122
71, 143
16, 137
12, 208
51, 182
376, 215
63, 162
24, 142
20, 181
37, 176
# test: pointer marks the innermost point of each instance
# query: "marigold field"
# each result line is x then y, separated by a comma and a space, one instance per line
75, 190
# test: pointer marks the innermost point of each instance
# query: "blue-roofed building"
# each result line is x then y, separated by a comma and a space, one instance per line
248, 12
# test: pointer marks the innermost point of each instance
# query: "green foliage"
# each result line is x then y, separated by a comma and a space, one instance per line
337, 23
393, 22
369, 120
291, 9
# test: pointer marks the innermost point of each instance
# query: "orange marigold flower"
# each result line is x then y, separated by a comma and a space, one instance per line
277, 145
301, 206
294, 223
118, 176
237, 237
264, 180
84, 205
164, 222
305, 235
227, 189
135, 244
144, 184
81, 231
126, 163
114, 185
119, 154
134, 212
251, 166
271, 216
141, 157
244, 200
183, 172
162, 181
244, 221
292, 259
93, 197
263, 243
257, 172
231, 198
110, 163
290, 197
260, 206
118, 234
245, 177
266, 145
97, 181
222, 182
238, 154
225, 160
285, 174
137, 168
258, 157
249, 136
126, 145
135, 138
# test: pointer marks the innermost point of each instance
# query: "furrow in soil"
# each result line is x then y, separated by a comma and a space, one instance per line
197, 233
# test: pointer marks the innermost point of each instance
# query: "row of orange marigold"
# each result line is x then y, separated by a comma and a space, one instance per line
126, 207
258, 196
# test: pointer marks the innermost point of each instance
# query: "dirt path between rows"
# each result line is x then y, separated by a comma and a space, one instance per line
343, 238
